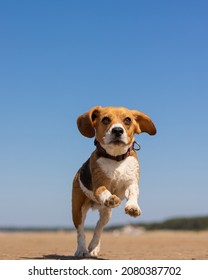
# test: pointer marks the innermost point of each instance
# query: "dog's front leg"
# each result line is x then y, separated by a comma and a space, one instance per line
105, 197
132, 193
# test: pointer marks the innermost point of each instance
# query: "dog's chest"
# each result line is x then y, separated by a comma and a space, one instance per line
121, 173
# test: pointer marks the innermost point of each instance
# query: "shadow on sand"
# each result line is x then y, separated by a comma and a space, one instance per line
60, 257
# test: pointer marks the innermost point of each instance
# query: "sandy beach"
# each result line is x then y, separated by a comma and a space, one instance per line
152, 245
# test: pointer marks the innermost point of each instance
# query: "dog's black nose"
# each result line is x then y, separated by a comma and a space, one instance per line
118, 131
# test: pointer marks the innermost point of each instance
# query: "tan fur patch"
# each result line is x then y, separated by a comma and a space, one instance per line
78, 200
99, 191
98, 176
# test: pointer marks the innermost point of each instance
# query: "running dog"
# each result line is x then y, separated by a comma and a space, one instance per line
112, 171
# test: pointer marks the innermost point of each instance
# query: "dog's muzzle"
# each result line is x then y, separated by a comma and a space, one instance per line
117, 134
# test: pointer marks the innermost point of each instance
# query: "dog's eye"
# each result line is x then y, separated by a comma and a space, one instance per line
106, 120
127, 121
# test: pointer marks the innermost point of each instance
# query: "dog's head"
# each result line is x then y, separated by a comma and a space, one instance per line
114, 127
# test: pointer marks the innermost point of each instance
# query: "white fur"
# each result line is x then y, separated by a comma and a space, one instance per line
123, 173
87, 192
132, 195
104, 196
125, 177
81, 246
110, 137
105, 214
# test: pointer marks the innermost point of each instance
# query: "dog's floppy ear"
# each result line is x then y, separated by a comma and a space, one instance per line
86, 122
143, 123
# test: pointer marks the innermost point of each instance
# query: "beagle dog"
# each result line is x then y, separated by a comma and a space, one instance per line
112, 171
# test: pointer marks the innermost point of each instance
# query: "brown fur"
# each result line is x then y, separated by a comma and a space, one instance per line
78, 200
91, 121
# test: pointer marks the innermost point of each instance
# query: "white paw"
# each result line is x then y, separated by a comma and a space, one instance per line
112, 201
94, 251
132, 210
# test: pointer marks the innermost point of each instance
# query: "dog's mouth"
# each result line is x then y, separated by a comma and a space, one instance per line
117, 142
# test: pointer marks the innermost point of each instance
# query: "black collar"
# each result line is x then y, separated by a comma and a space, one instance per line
102, 152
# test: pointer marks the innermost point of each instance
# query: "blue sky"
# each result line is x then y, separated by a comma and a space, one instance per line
59, 59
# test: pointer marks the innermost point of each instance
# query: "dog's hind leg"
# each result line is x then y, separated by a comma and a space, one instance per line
81, 241
105, 214
80, 206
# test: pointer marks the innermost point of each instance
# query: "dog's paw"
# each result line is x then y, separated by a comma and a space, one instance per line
112, 201
133, 210
80, 253
94, 252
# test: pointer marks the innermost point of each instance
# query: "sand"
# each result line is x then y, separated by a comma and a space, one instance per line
152, 245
